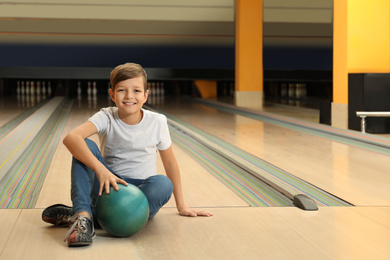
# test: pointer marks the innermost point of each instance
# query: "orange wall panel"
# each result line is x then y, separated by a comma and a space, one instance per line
207, 88
340, 58
249, 45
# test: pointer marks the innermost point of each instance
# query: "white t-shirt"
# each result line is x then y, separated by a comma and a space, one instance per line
131, 150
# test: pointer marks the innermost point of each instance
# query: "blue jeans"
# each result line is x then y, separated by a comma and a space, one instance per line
85, 186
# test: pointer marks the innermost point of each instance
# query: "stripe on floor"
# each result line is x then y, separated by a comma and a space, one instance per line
21, 186
250, 189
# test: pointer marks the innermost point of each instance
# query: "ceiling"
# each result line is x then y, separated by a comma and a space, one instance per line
151, 22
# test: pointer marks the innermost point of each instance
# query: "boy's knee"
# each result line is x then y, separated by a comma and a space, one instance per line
157, 187
164, 182
158, 193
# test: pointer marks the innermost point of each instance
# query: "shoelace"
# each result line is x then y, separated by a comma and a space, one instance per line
80, 223
61, 218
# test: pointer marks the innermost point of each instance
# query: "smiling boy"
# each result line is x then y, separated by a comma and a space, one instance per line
130, 137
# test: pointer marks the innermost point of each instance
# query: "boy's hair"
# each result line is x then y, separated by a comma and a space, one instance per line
128, 71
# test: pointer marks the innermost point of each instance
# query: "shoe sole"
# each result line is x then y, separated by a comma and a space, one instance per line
78, 244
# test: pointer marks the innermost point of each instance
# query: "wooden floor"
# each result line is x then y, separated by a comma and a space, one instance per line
352, 173
236, 231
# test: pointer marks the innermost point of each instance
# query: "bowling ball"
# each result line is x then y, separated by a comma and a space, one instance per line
124, 212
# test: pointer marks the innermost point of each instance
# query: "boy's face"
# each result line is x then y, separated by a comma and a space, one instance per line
129, 96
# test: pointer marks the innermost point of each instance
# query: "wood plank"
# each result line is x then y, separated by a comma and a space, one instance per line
379, 214
8, 218
341, 233
233, 233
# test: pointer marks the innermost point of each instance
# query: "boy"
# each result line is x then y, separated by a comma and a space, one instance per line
129, 137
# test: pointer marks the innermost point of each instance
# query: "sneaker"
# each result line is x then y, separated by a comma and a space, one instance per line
58, 215
81, 233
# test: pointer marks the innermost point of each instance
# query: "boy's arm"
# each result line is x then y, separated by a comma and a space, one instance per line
76, 145
172, 170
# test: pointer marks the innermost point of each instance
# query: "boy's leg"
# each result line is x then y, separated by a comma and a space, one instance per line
84, 190
158, 190
84, 193
84, 184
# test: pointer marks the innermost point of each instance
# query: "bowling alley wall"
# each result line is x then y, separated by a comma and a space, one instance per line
70, 41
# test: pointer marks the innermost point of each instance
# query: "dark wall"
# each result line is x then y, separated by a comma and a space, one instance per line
369, 92
159, 57
288, 58
111, 56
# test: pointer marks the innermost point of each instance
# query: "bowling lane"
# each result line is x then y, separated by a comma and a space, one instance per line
353, 174
13, 105
201, 189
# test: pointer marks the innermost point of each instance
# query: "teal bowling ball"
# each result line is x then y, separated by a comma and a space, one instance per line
124, 212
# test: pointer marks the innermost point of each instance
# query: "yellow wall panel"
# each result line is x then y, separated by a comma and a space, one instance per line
361, 41
368, 36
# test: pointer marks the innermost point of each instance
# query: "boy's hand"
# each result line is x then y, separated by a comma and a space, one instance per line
107, 179
189, 212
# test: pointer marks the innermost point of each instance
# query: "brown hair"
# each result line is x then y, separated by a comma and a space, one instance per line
128, 71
